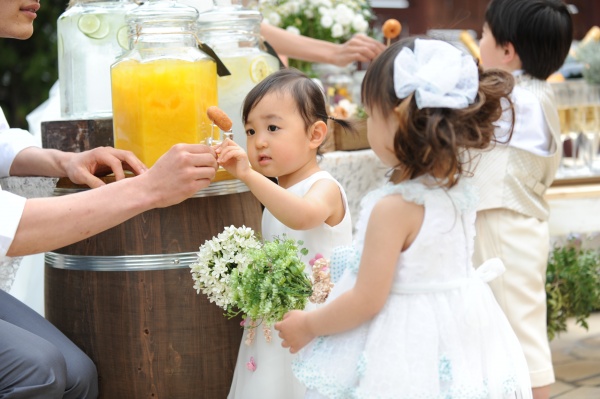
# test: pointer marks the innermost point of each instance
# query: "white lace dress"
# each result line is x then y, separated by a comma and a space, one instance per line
440, 334
264, 368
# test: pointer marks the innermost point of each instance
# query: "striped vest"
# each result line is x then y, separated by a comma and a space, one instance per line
515, 179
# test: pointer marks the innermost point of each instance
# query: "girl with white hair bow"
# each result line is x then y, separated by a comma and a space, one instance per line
410, 317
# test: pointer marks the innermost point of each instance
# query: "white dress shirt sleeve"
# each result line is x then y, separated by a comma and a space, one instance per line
11, 209
12, 141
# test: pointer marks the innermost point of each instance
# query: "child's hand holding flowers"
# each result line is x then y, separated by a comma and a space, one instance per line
294, 330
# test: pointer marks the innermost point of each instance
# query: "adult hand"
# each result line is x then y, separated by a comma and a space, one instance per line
359, 48
180, 173
294, 330
85, 167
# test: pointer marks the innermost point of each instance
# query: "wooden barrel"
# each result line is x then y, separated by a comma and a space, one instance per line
126, 298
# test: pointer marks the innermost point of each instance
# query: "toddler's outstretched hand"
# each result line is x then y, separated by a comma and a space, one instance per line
294, 331
233, 158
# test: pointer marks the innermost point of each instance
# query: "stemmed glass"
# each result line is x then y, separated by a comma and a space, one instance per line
588, 122
568, 98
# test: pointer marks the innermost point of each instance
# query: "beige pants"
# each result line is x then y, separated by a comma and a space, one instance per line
523, 244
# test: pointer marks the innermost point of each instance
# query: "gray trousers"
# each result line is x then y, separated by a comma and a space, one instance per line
37, 360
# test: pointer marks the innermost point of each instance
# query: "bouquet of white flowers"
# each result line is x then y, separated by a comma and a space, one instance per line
217, 259
331, 20
261, 281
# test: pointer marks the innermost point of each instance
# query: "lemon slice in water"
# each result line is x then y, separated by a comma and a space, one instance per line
123, 37
93, 26
259, 69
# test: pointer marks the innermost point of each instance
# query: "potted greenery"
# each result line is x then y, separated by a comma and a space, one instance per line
572, 285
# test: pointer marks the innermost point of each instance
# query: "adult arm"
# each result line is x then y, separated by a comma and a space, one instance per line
359, 48
50, 223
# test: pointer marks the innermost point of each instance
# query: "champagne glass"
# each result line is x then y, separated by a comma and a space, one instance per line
589, 123
565, 94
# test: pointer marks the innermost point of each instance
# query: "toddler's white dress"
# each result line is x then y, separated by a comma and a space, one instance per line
441, 333
273, 378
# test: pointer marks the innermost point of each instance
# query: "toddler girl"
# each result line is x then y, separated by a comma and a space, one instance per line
410, 316
285, 121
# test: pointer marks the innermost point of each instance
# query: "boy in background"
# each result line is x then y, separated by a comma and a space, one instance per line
530, 39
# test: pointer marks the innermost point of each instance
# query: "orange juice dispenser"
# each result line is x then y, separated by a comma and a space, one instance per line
162, 87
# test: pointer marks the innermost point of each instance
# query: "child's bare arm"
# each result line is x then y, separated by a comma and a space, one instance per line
393, 225
322, 203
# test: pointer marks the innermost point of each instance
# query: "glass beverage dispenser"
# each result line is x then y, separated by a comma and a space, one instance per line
91, 34
233, 32
162, 88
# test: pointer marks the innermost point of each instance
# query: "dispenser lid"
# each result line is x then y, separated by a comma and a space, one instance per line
162, 10
227, 14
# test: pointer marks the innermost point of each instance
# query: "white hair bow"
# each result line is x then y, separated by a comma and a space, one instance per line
441, 75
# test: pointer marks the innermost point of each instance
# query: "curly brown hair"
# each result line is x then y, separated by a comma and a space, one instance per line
434, 140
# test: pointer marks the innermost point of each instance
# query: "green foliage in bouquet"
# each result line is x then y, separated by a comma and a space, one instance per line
273, 283
572, 287
589, 56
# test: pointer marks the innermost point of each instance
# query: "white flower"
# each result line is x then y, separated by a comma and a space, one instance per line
348, 106
274, 19
337, 30
324, 10
326, 21
343, 15
359, 24
293, 30
216, 259
294, 7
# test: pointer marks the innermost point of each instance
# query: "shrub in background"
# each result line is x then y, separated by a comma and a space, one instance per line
572, 285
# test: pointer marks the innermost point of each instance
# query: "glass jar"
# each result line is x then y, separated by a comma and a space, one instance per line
233, 32
91, 34
162, 88
337, 81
